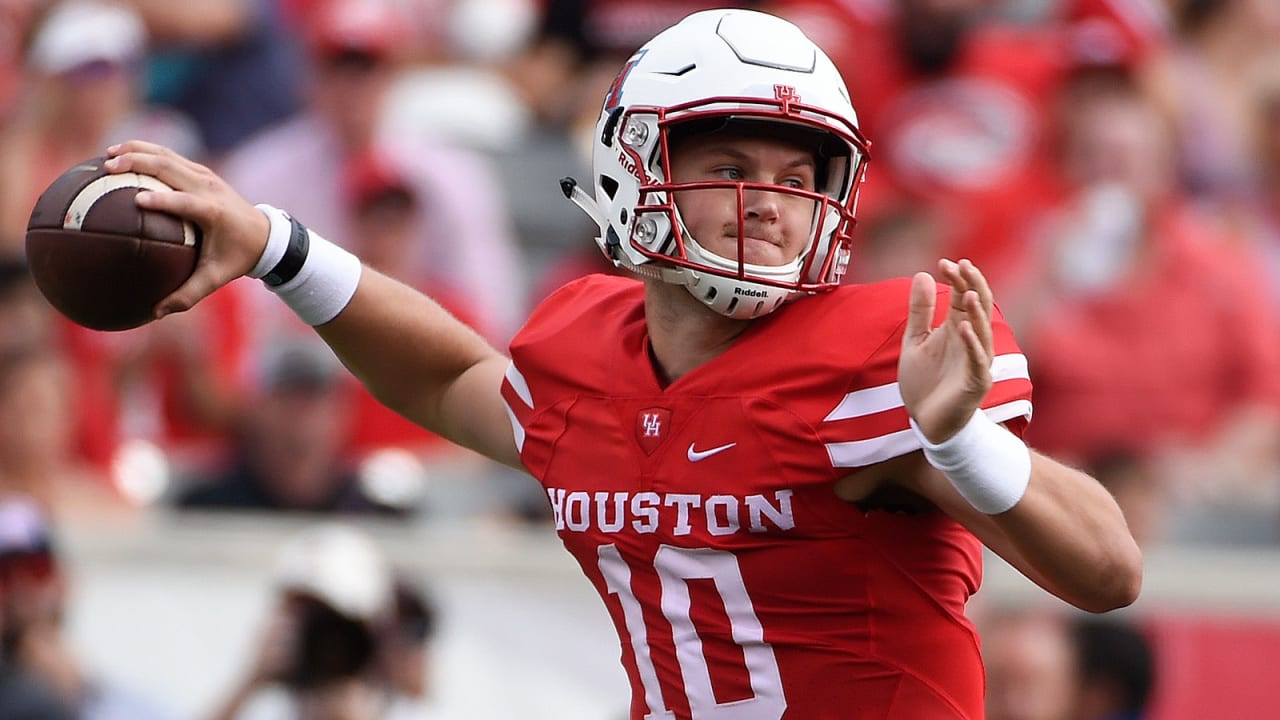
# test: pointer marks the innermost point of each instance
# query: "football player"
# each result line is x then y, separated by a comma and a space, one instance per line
780, 486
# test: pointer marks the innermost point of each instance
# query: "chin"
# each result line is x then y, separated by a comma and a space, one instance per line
771, 257
758, 252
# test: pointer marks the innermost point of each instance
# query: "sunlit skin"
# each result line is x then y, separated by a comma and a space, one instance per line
776, 226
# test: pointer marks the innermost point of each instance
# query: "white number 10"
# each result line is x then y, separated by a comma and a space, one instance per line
675, 565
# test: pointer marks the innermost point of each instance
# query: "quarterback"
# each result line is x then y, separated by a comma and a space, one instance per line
780, 486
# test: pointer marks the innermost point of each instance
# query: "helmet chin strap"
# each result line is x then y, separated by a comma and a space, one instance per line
574, 192
694, 282
664, 273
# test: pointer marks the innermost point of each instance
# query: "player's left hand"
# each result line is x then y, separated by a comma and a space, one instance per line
945, 372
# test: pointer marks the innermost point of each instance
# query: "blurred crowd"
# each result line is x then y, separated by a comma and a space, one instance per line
347, 635
1113, 165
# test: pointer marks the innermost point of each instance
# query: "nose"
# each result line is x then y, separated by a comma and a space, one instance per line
760, 205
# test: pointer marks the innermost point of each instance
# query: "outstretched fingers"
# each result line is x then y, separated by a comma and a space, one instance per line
981, 310
971, 297
979, 361
920, 308
977, 334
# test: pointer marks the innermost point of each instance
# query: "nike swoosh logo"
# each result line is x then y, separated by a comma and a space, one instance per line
696, 455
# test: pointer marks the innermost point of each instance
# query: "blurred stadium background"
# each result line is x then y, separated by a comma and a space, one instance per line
1114, 165
525, 635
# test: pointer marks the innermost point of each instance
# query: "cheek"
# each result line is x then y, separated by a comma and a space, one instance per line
799, 222
706, 212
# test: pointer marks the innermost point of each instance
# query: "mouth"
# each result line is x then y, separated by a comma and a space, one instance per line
755, 240
757, 250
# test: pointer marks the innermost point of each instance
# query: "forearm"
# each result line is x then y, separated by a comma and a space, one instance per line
406, 349
1068, 534
1057, 525
414, 356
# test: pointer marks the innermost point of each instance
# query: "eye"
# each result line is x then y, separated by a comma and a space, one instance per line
799, 182
730, 172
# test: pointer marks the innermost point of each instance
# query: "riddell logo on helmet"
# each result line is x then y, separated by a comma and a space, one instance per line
628, 164
749, 292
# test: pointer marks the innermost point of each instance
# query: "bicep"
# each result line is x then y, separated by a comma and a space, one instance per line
420, 361
478, 415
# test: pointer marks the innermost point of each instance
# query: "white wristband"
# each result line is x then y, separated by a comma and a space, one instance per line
988, 465
325, 283
314, 277
277, 241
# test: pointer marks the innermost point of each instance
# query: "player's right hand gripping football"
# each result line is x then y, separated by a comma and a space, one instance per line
234, 231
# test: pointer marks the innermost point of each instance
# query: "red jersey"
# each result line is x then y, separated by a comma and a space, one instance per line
704, 513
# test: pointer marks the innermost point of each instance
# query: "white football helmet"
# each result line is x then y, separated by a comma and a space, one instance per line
726, 68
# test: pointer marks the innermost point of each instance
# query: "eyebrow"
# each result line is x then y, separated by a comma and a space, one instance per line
806, 158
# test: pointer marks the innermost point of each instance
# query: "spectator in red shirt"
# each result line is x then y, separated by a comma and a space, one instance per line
1143, 316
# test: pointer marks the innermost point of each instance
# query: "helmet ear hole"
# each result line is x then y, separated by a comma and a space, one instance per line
606, 134
609, 185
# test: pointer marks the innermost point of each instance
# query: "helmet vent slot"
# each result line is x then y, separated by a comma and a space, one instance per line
677, 73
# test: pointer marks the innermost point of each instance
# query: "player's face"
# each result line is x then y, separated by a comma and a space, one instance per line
776, 225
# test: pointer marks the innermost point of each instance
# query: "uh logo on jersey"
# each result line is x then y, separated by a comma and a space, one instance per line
651, 428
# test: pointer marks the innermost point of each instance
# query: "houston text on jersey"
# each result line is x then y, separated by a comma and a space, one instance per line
647, 512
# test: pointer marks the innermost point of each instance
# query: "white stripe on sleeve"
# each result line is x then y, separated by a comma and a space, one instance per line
870, 401
517, 430
519, 385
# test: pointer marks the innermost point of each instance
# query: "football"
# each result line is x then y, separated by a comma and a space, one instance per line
97, 257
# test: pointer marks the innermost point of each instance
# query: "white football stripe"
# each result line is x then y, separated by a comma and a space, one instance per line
519, 385
860, 453
517, 430
1009, 367
867, 401
1010, 410
870, 401
94, 191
